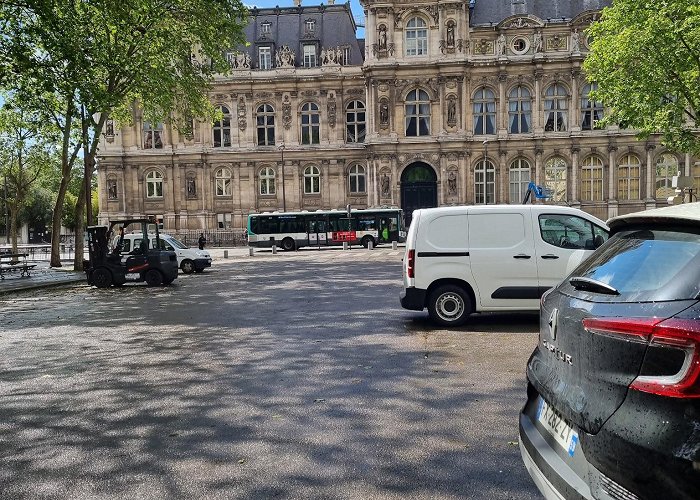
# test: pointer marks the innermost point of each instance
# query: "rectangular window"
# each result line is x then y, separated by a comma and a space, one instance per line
309, 56
223, 221
264, 58
265, 28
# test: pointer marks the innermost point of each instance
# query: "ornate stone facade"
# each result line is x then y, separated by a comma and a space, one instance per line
483, 109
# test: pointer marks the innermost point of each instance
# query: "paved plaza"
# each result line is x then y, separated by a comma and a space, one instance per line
295, 375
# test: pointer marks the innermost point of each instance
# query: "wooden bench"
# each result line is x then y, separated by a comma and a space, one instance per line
15, 263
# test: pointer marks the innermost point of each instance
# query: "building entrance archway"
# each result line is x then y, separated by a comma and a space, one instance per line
418, 189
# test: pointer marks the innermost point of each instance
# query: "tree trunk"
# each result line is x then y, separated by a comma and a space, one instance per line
56, 222
14, 209
79, 229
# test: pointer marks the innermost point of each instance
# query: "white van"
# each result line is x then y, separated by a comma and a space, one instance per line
188, 259
468, 259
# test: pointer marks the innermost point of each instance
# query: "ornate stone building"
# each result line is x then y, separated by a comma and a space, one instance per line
445, 102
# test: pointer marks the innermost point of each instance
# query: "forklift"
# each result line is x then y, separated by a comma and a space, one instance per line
109, 266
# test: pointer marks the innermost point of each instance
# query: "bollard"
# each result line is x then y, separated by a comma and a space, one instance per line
345, 245
274, 249
370, 245
225, 254
251, 251
394, 245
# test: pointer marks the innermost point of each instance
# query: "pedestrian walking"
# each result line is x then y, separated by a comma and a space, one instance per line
202, 241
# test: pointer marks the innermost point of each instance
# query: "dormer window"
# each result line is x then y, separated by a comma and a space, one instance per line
310, 25
266, 28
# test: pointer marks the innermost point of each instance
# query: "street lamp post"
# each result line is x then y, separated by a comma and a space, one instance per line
284, 197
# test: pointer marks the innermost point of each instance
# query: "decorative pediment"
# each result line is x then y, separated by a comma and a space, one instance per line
586, 18
518, 22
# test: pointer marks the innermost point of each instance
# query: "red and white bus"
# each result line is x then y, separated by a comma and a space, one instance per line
291, 230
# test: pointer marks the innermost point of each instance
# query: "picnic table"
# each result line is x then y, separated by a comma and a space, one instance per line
15, 263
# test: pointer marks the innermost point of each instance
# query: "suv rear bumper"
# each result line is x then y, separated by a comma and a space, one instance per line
413, 298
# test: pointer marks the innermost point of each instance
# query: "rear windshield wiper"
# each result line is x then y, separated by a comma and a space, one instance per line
591, 285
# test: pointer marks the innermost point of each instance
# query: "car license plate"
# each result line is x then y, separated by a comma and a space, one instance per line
557, 427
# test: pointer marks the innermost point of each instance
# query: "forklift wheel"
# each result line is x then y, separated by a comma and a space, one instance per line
153, 277
101, 277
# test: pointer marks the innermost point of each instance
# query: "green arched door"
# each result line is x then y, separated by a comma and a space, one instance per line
418, 189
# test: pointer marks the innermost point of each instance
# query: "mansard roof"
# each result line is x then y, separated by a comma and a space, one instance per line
334, 26
493, 12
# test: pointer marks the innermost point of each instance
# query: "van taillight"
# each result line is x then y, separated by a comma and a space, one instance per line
411, 266
674, 333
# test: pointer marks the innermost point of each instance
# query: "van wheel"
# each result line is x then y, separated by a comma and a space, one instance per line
365, 241
101, 277
187, 266
153, 277
288, 244
449, 305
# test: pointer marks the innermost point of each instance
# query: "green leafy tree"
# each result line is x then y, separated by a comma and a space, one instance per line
645, 57
93, 59
25, 150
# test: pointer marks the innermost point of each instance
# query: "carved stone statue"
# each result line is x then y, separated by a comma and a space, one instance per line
284, 58
451, 111
382, 37
385, 185
112, 189
246, 60
450, 34
384, 113
452, 183
537, 42
575, 41
501, 44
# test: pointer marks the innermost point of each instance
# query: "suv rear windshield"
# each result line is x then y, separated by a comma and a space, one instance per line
647, 265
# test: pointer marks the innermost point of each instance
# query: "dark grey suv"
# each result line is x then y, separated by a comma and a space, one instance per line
613, 408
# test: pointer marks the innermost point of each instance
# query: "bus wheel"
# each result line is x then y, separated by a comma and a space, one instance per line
288, 244
365, 241
449, 305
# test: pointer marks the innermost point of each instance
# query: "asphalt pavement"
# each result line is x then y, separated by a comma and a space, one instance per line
295, 375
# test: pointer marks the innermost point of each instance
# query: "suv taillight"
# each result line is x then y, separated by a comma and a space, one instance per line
411, 263
673, 333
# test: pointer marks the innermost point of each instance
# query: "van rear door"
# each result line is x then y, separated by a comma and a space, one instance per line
502, 255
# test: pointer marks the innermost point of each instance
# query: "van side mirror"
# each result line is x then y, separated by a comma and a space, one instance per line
598, 241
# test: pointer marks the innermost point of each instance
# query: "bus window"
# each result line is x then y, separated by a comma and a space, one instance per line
366, 224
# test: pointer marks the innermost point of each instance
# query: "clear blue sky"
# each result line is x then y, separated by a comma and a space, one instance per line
354, 5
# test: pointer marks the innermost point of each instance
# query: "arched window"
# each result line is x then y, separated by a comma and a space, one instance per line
222, 129
666, 168
519, 111
591, 111
267, 180
519, 177
154, 184
555, 177
628, 175
152, 136
312, 180
484, 112
355, 122
223, 182
357, 179
592, 179
310, 124
417, 113
555, 108
416, 37
265, 119
484, 182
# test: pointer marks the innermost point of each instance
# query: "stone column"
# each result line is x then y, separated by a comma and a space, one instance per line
464, 173
537, 110
575, 169
612, 174
574, 123
650, 177
539, 167
502, 112
395, 182
467, 110
502, 178
123, 199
